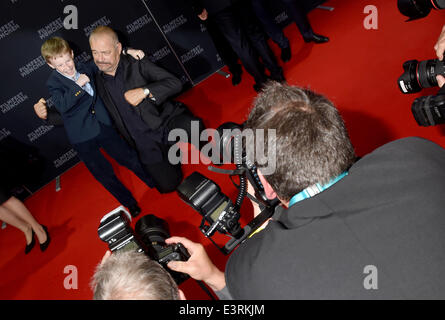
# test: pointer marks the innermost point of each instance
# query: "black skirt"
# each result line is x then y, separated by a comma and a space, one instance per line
5, 194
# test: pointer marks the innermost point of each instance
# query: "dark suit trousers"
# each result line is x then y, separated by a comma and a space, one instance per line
272, 29
298, 14
167, 176
223, 47
231, 27
108, 139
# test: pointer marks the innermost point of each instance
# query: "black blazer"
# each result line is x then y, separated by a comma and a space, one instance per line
162, 84
388, 212
80, 112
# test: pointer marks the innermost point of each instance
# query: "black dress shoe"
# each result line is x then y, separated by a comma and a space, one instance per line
45, 245
317, 39
236, 78
278, 76
31, 244
134, 210
285, 54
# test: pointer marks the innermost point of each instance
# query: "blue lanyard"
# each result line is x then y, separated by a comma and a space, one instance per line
314, 189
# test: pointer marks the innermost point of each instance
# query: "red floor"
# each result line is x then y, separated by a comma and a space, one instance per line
357, 69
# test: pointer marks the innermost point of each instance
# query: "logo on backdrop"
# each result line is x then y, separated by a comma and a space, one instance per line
39, 132
50, 28
13, 102
32, 66
104, 21
4, 133
196, 51
138, 24
160, 54
174, 24
8, 29
65, 158
281, 17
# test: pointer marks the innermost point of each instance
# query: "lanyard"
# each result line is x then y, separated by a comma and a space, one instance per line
314, 189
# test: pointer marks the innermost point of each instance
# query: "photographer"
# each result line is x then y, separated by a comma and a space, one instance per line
130, 275
367, 229
440, 49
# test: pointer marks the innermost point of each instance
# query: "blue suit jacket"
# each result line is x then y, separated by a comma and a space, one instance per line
80, 112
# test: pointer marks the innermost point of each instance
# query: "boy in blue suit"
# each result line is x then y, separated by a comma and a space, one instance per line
87, 122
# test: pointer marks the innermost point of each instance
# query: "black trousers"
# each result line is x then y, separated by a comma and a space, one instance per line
240, 27
108, 139
223, 47
298, 14
167, 176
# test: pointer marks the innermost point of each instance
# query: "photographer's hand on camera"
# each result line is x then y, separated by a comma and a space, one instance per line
198, 266
440, 45
440, 80
255, 205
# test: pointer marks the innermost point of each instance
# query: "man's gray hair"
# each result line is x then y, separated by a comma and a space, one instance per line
129, 275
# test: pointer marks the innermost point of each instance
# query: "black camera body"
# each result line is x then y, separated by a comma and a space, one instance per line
149, 237
115, 230
429, 110
218, 211
205, 196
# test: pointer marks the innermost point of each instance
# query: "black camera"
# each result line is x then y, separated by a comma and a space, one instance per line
416, 9
419, 75
429, 110
150, 235
218, 211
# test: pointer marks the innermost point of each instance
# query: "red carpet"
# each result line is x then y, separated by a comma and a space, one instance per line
357, 69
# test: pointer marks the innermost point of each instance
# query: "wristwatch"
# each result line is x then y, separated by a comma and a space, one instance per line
146, 92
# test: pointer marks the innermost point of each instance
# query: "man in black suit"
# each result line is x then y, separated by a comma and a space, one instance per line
138, 93
347, 229
236, 20
87, 122
298, 13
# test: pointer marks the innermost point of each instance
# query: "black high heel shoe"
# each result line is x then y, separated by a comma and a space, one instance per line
45, 245
31, 244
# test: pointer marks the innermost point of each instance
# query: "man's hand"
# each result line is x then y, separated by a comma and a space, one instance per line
203, 15
135, 96
440, 45
440, 80
40, 109
256, 206
198, 266
83, 80
137, 54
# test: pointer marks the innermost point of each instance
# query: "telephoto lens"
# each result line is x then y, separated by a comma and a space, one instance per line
417, 9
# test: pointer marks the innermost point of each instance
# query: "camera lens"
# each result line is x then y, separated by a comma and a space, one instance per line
152, 229
414, 9
428, 70
408, 82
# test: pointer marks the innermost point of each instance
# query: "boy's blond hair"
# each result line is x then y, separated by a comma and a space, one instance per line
53, 47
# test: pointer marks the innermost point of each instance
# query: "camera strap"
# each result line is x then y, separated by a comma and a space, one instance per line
236, 172
315, 189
